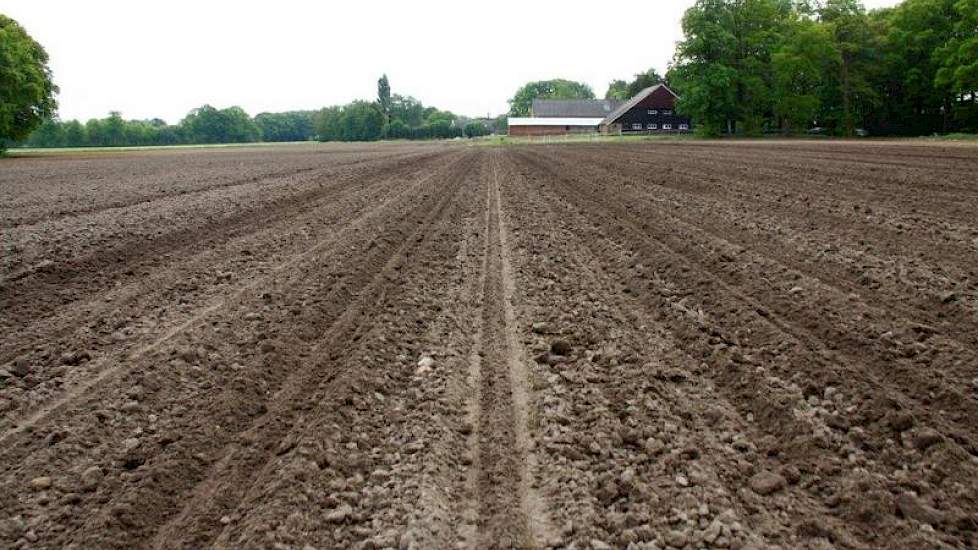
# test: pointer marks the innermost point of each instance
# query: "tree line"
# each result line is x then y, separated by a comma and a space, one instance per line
750, 66
392, 116
206, 124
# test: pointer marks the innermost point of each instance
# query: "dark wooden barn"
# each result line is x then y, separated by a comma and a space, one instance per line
653, 110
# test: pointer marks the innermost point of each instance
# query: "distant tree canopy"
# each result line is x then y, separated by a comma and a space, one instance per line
384, 96
622, 90
209, 125
288, 126
26, 89
557, 88
358, 121
476, 128
203, 125
749, 66
392, 116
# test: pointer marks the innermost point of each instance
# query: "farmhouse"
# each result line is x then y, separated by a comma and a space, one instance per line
653, 110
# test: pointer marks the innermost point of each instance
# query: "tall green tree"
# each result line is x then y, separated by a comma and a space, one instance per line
26, 88
958, 70
705, 66
557, 88
800, 64
913, 32
288, 126
210, 125
384, 96
857, 57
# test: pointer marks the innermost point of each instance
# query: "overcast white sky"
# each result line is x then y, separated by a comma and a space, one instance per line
163, 58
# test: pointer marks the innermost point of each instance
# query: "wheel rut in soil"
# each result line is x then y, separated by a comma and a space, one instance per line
509, 509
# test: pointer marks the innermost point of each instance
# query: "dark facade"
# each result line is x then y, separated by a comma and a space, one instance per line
654, 113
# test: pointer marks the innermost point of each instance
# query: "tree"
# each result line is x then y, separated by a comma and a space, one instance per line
288, 126
704, 71
74, 134
358, 121
361, 121
502, 124
800, 64
959, 61
397, 129
327, 124
209, 125
26, 89
617, 89
476, 128
621, 90
547, 89
854, 42
384, 96
913, 34
49, 134
408, 110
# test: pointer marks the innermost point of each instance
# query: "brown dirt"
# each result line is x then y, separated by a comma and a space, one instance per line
740, 345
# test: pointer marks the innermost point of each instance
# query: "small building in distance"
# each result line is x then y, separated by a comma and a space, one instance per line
651, 111
552, 126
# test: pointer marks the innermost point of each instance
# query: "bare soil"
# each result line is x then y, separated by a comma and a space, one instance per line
658, 345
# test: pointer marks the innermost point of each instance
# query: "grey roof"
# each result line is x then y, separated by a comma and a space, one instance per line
623, 108
574, 108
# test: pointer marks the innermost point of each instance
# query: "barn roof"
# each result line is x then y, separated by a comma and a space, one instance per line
554, 121
574, 107
625, 107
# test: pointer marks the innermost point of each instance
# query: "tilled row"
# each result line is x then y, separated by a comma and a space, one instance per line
213, 399
636, 449
70, 349
893, 252
833, 412
70, 260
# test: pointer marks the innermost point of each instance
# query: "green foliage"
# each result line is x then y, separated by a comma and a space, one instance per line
502, 124
621, 90
397, 129
209, 125
288, 126
617, 89
748, 66
26, 89
959, 58
358, 121
800, 63
384, 95
408, 110
557, 88
203, 125
476, 128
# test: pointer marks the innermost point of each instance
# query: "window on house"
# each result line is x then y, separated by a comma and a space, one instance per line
667, 126
653, 126
684, 126
636, 126
667, 112
653, 112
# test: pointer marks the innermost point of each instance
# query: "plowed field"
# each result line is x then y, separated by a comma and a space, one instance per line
656, 345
